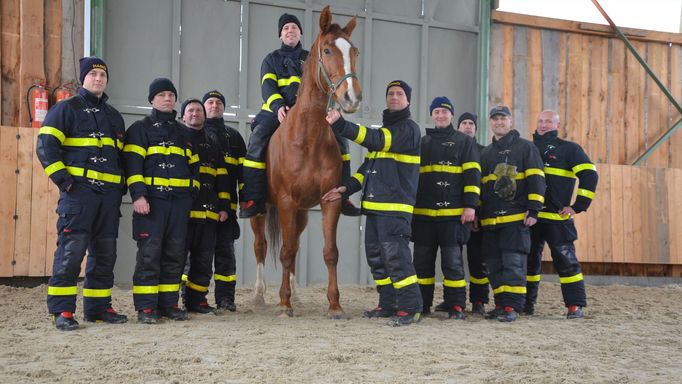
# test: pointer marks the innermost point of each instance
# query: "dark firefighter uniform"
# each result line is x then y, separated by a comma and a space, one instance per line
449, 181
233, 150
478, 274
512, 184
79, 145
281, 74
161, 166
564, 161
388, 178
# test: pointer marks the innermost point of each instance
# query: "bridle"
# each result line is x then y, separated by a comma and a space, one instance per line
331, 86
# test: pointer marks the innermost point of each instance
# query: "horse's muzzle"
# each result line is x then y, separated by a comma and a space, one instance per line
350, 101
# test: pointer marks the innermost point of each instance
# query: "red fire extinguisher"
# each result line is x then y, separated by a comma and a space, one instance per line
62, 92
37, 99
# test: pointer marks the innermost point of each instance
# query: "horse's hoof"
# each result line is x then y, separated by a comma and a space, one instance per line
336, 315
285, 313
259, 302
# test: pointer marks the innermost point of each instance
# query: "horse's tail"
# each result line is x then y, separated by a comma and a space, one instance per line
274, 235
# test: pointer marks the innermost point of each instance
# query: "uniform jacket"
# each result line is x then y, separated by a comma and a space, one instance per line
81, 141
390, 173
522, 161
564, 161
233, 149
159, 158
449, 176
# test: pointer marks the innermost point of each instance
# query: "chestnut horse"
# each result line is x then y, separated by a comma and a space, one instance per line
304, 161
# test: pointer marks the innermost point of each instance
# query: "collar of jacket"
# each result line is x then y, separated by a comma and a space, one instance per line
215, 122
391, 118
90, 97
547, 138
440, 133
157, 115
507, 140
288, 51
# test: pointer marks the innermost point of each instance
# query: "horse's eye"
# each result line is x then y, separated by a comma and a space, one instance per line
327, 51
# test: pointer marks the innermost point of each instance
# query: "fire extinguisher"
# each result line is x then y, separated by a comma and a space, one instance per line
62, 92
37, 99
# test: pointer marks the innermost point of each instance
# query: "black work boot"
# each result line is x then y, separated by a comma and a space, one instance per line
147, 316
575, 312
529, 309
402, 318
202, 307
251, 208
508, 315
442, 307
492, 315
173, 313
456, 313
478, 308
227, 304
378, 312
349, 209
64, 321
109, 316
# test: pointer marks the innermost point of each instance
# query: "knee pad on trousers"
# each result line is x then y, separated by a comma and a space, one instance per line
565, 260
69, 255
453, 264
424, 260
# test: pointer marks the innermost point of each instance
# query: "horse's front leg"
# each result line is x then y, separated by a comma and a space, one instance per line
330, 220
260, 248
288, 221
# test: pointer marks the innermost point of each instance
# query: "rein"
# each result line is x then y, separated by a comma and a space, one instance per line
331, 86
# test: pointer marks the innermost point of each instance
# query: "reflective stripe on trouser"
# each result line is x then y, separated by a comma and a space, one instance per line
506, 251
225, 261
392, 233
86, 218
255, 181
161, 252
478, 273
200, 244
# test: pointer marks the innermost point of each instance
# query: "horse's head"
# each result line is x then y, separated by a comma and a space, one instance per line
336, 62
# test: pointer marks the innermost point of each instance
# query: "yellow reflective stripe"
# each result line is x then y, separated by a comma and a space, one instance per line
510, 289
162, 181
208, 170
90, 292
387, 139
270, 76
408, 159
196, 184
89, 142
196, 287
221, 171
471, 165
62, 291
536, 197
135, 149
488, 178
359, 177
135, 179
440, 168
345, 157
119, 144
288, 81
170, 150
534, 171
254, 164
381, 282
169, 287
52, 131
454, 283
54, 167
232, 160
193, 159
203, 215
472, 189
224, 196
503, 219
571, 279
533, 278
362, 132
559, 172
102, 176
272, 98
405, 282
224, 278
145, 289
241, 186
387, 206
553, 216
233, 206
585, 193
426, 281
241, 160
183, 277
438, 212
584, 167
482, 281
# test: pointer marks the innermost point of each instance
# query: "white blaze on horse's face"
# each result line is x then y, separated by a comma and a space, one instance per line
350, 101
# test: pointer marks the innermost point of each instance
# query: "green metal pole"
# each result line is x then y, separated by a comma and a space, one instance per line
658, 143
483, 59
97, 27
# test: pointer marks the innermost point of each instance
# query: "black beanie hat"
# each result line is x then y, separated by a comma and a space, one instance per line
399, 83
161, 84
213, 93
441, 102
87, 64
188, 102
286, 19
468, 116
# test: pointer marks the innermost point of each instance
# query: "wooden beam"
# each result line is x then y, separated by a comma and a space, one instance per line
11, 55
8, 189
53, 42
32, 67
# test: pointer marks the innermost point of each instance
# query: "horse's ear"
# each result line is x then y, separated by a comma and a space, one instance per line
325, 19
350, 26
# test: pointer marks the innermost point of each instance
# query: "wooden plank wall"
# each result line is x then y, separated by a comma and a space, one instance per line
606, 100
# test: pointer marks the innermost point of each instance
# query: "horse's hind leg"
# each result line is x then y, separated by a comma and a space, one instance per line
289, 218
330, 219
260, 248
